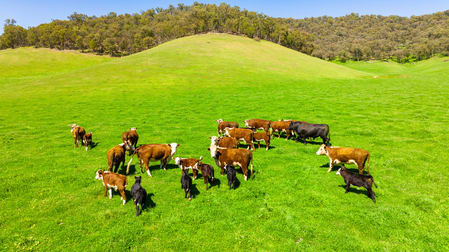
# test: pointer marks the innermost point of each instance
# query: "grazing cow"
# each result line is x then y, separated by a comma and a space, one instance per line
113, 181
281, 126
189, 163
153, 152
245, 135
345, 155
223, 125
262, 136
116, 155
258, 124
226, 142
186, 184
208, 174
309, 130
130, 138
139, 194
240, 157
87, 140
358, 180
78, 133
230, 172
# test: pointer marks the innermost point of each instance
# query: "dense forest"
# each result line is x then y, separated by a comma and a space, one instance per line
352, 37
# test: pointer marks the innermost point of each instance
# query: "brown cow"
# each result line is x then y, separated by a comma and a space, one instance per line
113, 181
281, 126
78, 133
258, 124
239, 157
225, 142
345, 155
153, 152
245, 135
262, 136
87, 140
189, 163
130, 138
116, 155
222, 125
207, 171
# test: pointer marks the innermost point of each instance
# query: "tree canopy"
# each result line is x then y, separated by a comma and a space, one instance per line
351, 37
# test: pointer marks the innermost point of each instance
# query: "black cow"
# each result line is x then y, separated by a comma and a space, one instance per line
139, 194
358, 180
186, 183
230, 171
309, 130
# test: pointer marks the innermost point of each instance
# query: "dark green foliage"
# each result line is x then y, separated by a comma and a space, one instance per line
351, 37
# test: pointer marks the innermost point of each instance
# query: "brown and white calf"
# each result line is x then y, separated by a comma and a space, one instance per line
116, 155
78, 133
345, 155
189, 163
222, 125
113, 181
245, 135
153, 152
130, 138
235, 157
226, 142
262, 136
259, 124
281, 126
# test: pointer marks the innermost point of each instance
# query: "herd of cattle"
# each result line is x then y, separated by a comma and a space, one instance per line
224, 149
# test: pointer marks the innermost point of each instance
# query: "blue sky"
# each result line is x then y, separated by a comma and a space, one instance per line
31, 13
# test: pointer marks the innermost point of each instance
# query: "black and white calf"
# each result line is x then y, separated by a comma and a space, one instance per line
358, 180
230, 172
139, 194
186, 184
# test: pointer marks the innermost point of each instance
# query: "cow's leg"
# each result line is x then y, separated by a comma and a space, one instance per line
245, 172
258, 145
347, 186
147, 168
123, 194
185, 193
116, 164
222, 170
195, 173
123, 165
331, 164
360, 167
141, 163
137, 209
105, 190
110, 193
190, 192
206, 181
252, 145
371, 193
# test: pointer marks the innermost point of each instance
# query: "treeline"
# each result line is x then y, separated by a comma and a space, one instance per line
350, 37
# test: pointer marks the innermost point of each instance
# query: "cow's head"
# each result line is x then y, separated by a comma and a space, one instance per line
133, 129
177, 160
99, 175
322, 150
214, 139
341, 169
213, 149
227, 131
73, 127
219, 120
138, 179
174, 147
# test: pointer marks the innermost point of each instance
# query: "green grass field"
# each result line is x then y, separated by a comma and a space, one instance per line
175, 92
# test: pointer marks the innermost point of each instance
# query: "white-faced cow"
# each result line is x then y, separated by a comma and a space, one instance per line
245, 135
222, 125
113, 181
259, 124
236, 157
345, 155
153, 152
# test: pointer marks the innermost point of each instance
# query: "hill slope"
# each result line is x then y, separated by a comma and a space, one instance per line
175, 93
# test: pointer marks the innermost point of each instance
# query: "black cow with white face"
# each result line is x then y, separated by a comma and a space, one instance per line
309, 130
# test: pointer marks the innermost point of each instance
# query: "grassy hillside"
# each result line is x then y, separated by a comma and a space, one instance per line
174, 93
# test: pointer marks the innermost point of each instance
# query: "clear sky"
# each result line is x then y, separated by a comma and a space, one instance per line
34, 12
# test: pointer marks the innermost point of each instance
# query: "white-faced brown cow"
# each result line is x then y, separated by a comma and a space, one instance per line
245, 135
258, 124
153, 152
281, 126
235, 157
222, 125
189, 163
116, 155
262, 136
130, 138
345, 155
113, 181
78, 133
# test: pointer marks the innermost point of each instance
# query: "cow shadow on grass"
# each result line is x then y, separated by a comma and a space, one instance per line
195, 191
200, 180
149, 203
338, 166
308, 141
94, 144
353, 189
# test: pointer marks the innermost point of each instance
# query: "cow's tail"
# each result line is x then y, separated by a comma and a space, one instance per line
131, 159
367, 167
